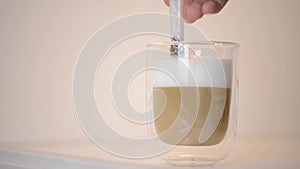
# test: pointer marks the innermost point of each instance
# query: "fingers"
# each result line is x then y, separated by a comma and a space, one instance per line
222, 2
167, 2
192, 10
213, 6
195, 9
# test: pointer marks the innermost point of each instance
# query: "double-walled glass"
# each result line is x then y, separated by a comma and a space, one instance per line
193, 93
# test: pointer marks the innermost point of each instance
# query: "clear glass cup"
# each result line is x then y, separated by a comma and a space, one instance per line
193, 95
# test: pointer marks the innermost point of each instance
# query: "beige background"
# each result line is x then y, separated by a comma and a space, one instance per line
40, 41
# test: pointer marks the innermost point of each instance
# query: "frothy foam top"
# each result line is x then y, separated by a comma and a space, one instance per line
205, 72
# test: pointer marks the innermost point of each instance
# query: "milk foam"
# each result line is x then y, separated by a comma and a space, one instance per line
204, 72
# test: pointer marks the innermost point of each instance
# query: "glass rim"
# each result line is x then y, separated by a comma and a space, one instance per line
201, 43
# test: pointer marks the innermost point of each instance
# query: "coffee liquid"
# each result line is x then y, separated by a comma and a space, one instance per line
167, 109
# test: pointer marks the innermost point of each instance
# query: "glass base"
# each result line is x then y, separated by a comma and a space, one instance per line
189, 160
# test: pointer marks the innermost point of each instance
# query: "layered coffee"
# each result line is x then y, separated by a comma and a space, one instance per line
201, 117
168, 106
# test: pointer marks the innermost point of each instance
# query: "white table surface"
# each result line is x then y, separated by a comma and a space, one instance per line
248, 152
